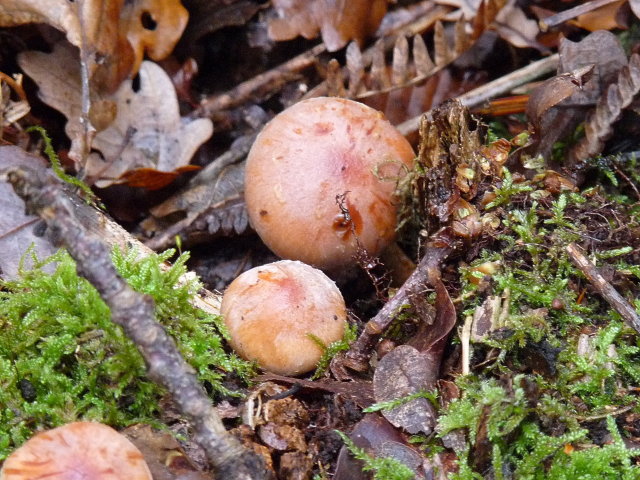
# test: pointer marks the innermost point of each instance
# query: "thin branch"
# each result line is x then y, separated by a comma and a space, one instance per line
134, 312
425, 274
604, 288
495, 88
571, 13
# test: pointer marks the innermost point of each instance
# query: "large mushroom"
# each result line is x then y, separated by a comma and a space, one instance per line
271, 312
77, 451
320, 182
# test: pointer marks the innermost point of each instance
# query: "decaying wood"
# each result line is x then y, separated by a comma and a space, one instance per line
599, 124
604, 288
134, 312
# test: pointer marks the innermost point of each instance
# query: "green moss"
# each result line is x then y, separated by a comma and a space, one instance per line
523, 418
330, 351
61, 358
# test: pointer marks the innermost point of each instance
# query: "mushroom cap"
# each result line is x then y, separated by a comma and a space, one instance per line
303, 159
77, 451
270, 311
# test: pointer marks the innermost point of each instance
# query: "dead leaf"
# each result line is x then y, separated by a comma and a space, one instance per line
16, 226
557, 107
152, 27
212, 202
378, 438
153, 179
163, 454
551, 92
403, 372
57, 75
599, 124
148, 131
115, 34
607, 17
338, 21
515, 27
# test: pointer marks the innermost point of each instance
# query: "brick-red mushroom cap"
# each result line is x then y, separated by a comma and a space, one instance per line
309, 154
77, 451
271, 310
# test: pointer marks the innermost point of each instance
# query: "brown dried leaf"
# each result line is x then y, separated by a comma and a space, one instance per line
461, 40
380, 439
400, 63
554, 118
423, 63
379, 75
148, 131
58, 77
153, 27
599, 124
442, 54
212, 202
515, 27
608, 17
402, 372
355, 67
338, 21
59, 14
601, 49
115, 34
166, 459
553, 91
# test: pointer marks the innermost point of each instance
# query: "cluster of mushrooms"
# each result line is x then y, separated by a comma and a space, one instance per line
320, 184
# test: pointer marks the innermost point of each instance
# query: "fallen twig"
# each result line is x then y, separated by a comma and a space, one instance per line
495, 88
134, 312
426, 274
604, 288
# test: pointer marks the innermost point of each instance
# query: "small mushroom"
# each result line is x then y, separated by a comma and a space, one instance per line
77, 451
320, 181
271, 310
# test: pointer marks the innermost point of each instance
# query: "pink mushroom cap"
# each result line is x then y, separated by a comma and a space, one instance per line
271, 310
306, 157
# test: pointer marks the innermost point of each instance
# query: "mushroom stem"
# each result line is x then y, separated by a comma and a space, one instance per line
398, 263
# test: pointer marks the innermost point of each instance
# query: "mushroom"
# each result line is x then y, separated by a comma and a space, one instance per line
76, 451
320, 181
271, 311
